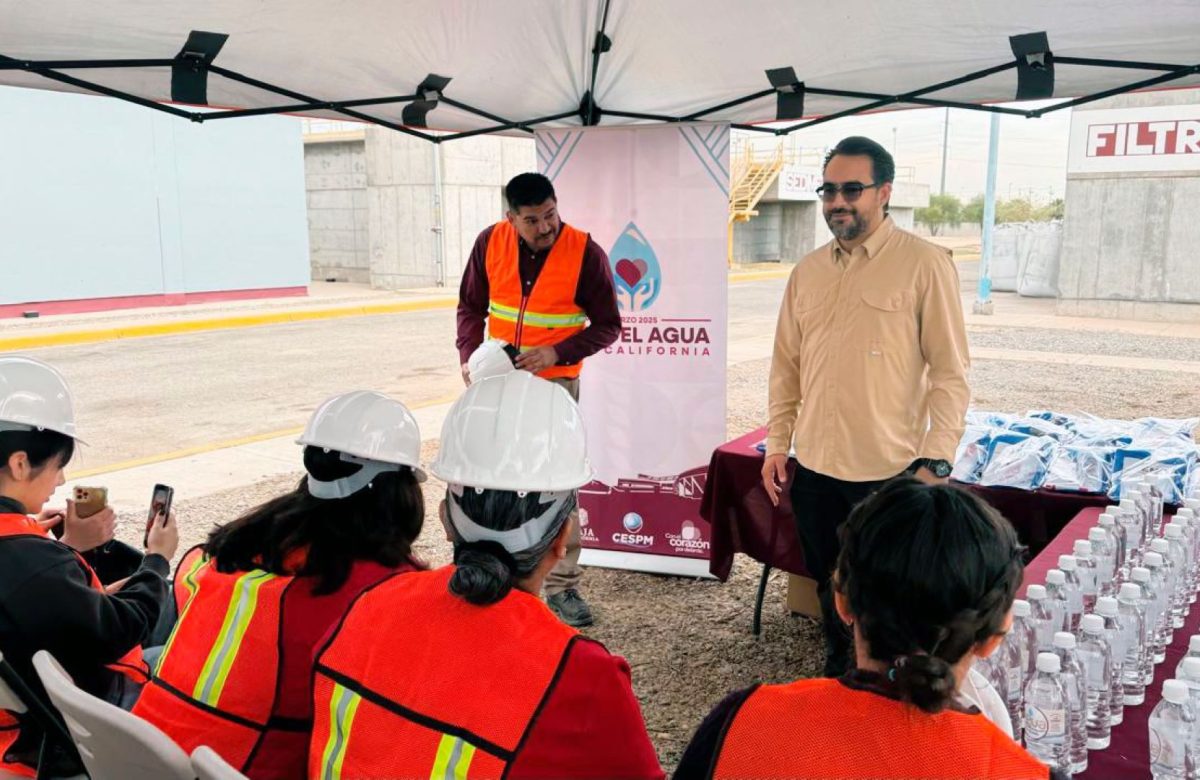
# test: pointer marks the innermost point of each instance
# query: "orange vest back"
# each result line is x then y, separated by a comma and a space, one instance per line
549, 314
419, 683
823, 729
216, 680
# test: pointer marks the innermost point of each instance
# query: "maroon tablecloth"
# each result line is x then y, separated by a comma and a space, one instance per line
743, 520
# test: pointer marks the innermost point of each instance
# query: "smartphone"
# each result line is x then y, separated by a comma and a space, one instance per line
90, 500
160, 503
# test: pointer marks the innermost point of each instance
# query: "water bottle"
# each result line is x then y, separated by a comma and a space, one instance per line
1130, 518
1108, 609
1187, 518
1042, 617
1145, 506
1021, 642
1158, 580
1069, 566
1152, 489
1171, 572
1190, 674
1095, 656
1087, 571
1104, 555
1154, 627
1058, 599
1171, 734
1076, 684
1108, 521
1177, 556
1133, 624
1046, 713
1192, 652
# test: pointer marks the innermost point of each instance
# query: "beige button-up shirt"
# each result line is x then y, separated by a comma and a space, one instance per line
870, 365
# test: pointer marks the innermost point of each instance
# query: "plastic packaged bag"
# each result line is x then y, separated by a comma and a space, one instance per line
971, 454
1079, 469
1017, 461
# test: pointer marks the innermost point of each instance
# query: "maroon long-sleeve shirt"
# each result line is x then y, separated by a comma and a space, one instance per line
595, 294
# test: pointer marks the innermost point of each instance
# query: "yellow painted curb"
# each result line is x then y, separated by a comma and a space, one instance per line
200, 449
174, 327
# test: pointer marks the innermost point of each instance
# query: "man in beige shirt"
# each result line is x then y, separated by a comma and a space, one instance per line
869, 373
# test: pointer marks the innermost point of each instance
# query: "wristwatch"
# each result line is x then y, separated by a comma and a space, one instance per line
939, 468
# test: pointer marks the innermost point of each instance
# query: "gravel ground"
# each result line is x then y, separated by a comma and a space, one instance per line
1087, 343
689, 642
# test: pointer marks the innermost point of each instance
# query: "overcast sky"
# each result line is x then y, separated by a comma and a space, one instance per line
1033, 152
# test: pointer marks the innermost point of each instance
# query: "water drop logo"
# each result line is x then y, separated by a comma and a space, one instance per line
632, 522
636, 270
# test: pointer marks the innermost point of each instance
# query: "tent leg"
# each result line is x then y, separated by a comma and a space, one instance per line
758, 602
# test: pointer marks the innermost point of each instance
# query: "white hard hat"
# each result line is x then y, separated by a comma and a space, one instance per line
34, 396
367, 426
489, 359
514, 432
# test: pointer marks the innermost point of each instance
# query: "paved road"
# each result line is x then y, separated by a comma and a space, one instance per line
141, 398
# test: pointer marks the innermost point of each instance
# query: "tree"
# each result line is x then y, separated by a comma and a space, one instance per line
942, 210
1014, 210
972, 212
1052, 210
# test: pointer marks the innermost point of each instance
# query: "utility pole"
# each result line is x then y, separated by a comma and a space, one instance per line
945, 139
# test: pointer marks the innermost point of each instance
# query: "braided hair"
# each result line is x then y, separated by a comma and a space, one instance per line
929, 571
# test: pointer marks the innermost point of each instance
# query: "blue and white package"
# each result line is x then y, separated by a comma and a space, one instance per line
971, 454
1017, 461
1079, 469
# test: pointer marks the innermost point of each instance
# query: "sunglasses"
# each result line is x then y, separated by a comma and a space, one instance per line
851, 190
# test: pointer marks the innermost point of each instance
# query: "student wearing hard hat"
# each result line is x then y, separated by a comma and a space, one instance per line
51, 598
476, 676
546, 288
256, 598
926, 579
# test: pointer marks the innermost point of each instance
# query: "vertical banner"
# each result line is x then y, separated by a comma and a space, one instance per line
656, 199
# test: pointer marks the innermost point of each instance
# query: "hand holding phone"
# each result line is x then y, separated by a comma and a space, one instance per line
89, 521
162, 533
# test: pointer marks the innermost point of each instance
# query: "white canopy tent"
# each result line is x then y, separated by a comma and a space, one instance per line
471, 66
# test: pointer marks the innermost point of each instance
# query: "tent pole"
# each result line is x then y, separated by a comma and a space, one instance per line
983, 301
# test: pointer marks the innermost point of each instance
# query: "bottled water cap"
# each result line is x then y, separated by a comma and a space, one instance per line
1049, 663
1175, 691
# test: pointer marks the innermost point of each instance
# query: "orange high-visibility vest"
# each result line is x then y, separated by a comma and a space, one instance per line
823, 729
216, 680
549, 314
420, 683
131, 664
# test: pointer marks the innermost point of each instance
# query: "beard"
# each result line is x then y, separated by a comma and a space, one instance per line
846, 231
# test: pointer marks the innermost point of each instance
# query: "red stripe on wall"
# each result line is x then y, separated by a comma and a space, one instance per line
81, 306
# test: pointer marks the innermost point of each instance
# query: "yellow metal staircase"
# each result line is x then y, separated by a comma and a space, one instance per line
751, 174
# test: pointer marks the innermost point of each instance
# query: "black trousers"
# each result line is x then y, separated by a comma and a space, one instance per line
821, 505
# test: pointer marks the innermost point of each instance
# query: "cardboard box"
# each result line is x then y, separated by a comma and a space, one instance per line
802, 596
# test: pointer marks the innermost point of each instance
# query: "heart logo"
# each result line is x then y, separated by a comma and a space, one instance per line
631, 272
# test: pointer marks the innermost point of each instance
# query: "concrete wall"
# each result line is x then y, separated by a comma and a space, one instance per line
102, 199
787, 230
412, 240
1129, 239
336, 179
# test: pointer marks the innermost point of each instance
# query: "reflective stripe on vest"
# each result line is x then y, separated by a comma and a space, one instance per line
823, 728
216, 681
131, 664
237, 619
399, 710
546, 314
343, 705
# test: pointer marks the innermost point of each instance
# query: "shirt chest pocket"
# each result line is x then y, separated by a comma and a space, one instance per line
887, 320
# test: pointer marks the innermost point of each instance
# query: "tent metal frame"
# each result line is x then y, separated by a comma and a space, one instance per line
198, 66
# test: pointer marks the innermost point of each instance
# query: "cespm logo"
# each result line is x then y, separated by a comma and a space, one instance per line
636, 271
632, 522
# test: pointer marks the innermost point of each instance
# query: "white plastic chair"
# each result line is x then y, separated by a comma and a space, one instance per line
209, 766
16, 703
114, 744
